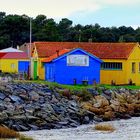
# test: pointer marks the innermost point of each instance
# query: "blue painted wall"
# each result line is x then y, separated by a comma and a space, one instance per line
59, 72
23, 66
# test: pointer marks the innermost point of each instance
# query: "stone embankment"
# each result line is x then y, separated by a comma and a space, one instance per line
115, 104
30, 106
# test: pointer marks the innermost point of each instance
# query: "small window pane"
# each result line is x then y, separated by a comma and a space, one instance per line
133, 67
112, 65
139, 66
12, 65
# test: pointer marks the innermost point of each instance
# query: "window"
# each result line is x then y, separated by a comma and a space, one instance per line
12, 65
112, 65
133, 67
139, 66
78, 60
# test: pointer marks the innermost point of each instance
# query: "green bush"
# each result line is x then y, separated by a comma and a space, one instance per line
85, 95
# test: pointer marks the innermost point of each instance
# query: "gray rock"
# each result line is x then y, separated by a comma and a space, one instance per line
3, 116
86, 120
74, 124
24, 96
122, 90
7, 99
2, 96
98, 119
23, 128
93, 91
54, 99
108, 92
2, 106
33, 127
63, 123
33, 96
16, 99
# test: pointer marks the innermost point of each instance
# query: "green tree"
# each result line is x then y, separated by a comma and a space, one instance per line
51, 31
129, 38
64, 28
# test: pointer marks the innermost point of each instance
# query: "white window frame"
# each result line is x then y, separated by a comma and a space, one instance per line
78, 60
13, 65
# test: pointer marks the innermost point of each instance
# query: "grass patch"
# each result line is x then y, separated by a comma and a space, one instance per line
25, 138
133, 87
8, 133
53, 85
104, 127
80, 87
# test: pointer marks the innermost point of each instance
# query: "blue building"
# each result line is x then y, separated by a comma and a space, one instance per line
72, 66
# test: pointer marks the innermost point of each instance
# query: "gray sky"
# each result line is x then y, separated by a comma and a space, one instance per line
104, 12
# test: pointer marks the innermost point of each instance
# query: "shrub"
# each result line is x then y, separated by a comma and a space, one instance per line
104, 127
25, 138
8, 133
66, 93
85, 95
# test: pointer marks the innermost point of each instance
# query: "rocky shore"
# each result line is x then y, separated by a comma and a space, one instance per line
30, 106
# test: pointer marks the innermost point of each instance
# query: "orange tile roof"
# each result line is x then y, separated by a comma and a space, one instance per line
101, 50
56, 55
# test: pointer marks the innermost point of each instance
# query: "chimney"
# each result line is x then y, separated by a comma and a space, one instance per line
57, 52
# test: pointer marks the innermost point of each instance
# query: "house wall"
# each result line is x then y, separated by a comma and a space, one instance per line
10, 65
61, 73
41, 69
134, 58
119, 76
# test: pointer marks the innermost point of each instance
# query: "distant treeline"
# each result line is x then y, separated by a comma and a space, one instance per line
15, 29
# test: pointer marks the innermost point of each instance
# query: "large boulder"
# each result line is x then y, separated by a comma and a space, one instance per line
101, 101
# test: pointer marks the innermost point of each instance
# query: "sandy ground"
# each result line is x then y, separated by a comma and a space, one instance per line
125, 130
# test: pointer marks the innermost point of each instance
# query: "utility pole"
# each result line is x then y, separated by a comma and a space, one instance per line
30, 49
79, 35
30, 32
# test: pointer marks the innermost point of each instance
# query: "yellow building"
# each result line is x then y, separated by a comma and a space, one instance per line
37, 65
122, 66
13, 61
121, 60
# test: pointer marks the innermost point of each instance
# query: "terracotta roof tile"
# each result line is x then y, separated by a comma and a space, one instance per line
56, 55
101, 50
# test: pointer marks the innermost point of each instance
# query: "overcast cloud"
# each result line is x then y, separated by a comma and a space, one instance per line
58, 9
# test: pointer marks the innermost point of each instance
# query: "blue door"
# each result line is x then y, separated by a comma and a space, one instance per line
49, 73
23, 66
